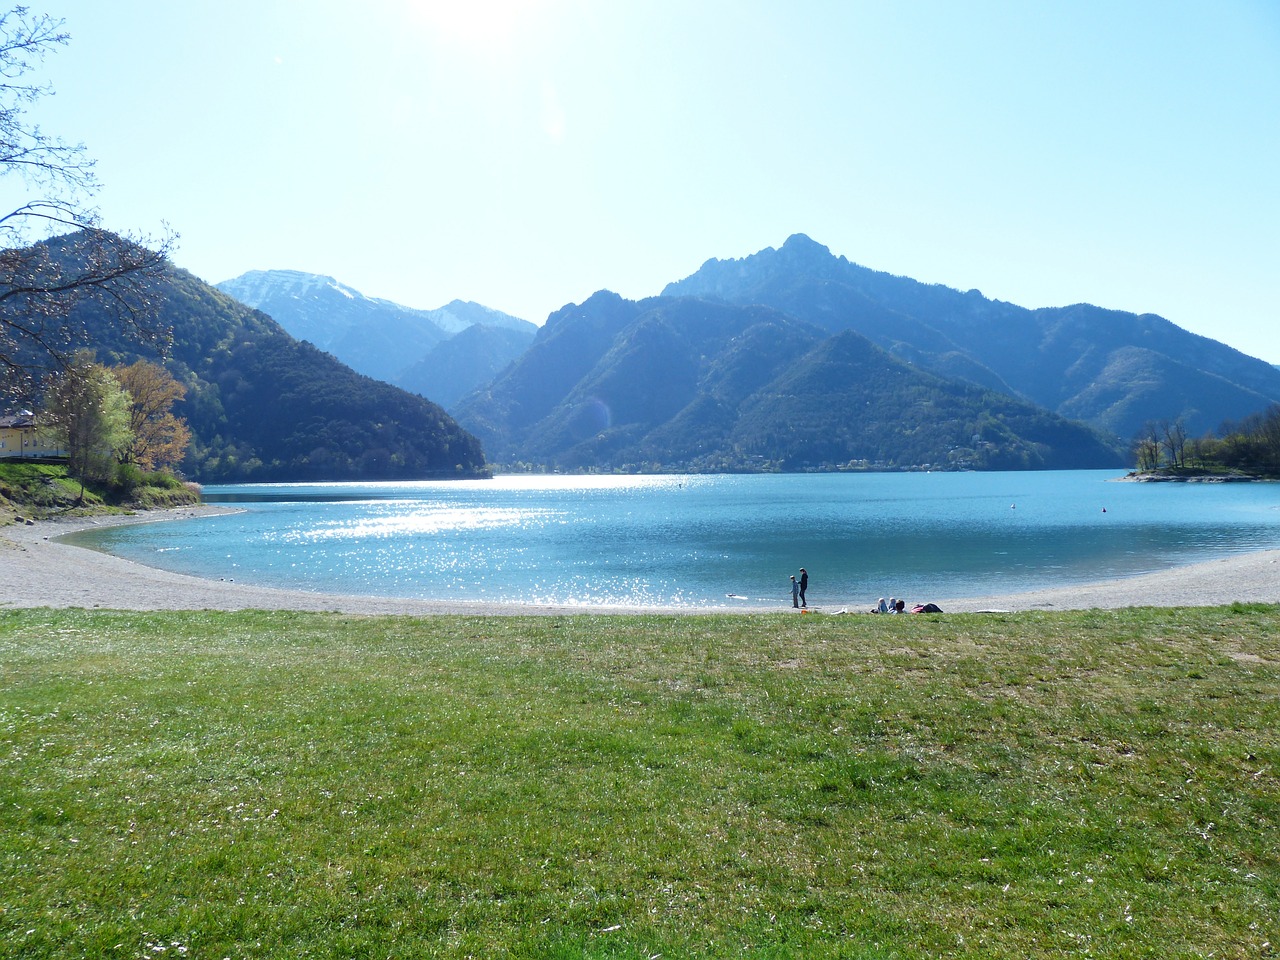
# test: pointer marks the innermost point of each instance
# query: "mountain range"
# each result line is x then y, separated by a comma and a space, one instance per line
797, 359
439, 354
789, 359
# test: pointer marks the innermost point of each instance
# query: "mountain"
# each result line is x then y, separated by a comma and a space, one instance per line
686, 383
1112, 369
386, 340
468, 359
264, 406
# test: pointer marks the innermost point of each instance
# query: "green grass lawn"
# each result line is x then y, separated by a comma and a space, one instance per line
209, 785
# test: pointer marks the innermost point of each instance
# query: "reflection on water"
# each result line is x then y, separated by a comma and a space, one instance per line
680, 540
412, 519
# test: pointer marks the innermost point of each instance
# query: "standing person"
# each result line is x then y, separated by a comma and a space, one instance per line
804, 585
795, 591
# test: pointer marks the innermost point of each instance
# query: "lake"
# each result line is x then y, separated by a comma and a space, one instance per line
698, 541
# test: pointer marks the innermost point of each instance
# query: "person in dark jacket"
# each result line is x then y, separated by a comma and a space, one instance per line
804, 585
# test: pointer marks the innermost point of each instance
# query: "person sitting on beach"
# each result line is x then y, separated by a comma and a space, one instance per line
901, 607
881, 607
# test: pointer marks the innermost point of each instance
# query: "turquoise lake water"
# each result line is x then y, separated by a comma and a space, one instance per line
706, 540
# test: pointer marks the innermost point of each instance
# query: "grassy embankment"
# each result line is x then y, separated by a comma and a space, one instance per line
31, 490
1102, 784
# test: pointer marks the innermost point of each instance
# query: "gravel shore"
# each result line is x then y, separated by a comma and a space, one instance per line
39, 571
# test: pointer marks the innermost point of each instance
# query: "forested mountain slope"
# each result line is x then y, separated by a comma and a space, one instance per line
263, 406
693, 384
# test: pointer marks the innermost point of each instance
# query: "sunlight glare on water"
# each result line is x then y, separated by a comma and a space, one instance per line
407, 518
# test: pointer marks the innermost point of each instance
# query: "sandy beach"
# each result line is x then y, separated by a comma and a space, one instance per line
39, 571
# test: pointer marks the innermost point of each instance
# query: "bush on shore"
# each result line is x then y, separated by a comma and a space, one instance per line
38, 491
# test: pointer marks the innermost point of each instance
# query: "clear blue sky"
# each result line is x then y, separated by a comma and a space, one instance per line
526, 154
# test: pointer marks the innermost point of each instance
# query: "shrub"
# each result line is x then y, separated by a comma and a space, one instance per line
128, 478
162, 480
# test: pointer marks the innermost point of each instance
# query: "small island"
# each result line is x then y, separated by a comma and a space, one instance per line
1245, 451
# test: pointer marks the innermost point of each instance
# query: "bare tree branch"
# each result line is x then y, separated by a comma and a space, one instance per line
56, 256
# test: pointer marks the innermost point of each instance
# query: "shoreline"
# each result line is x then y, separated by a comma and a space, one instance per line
39, 571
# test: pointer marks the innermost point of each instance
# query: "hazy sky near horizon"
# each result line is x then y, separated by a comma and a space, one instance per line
526, 153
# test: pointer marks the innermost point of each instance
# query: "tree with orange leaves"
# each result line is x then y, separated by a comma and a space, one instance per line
159, 437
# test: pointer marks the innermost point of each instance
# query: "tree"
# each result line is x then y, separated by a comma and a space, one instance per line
88, 412
158, 437
1146, 447
42, 285
1173, 440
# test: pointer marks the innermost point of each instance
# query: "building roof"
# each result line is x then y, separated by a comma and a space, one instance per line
24, 418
